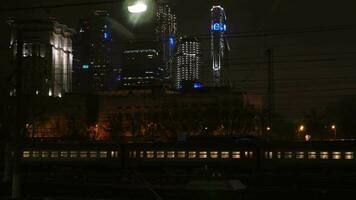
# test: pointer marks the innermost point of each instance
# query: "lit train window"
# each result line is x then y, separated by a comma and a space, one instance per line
160, 154
114, 154
268, 154
349, 155
170, 154
64, 154
248, 154
336, 155
142, 154
45, 154
133, 154
203, 154
181, 154
288, 155
54, 154
299, 155
73, 154
312, 155
93, 154
279, 155
214, 154
324, 155
225, 154
83, 154
192, 154
26, 154
236, 155
150, 154
36, 154
103, 154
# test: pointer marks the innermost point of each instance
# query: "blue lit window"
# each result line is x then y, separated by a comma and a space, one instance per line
85, 66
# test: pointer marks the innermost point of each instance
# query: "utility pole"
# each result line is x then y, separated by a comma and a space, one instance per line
18, 134
270, 90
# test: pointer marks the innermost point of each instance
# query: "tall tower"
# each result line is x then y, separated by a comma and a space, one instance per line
188, 61
218, 44
166, 30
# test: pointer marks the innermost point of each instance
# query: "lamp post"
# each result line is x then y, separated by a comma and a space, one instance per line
333, 128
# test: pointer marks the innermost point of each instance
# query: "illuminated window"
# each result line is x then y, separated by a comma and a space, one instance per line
225, 154
288, 155
150, 154
64, 154
181, 154
214, 154
236, 155
349, 155
336, 155
26, 154
170, 154
35, 154
192, 154
279, 155
268, 154
142, 154
54, 154
114, 154
83, 154
312, 155
299, 155
324, 155
73, 154
93, 154
248, 154
160, 154
133, 154
203, 154
103, 154
45, 154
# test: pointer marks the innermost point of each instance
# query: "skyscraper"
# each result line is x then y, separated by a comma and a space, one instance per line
188, 61
93, 57
46, 56
218, 44
166, 30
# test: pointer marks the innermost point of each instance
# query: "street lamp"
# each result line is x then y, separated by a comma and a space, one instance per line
137, 7
333, 127
301, 128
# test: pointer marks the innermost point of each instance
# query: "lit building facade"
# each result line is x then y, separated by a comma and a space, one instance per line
93, 53
166, 30
218, 44
188, 61
141, 65
47, 56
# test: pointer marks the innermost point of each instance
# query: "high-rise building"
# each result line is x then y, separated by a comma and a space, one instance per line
219, 45
166, 30
141, 65
188, 61
47, 57
93, 53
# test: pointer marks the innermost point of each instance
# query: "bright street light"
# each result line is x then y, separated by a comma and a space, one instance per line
137, 7
301, 128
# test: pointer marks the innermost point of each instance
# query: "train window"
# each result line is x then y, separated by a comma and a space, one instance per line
83, 154
268, 154
336, 155
203, 154
225, 154
142, 154
349, 155
170, 154
45, 154
160, 154
214, 154
36, 154
73, 154
64, 154
103, 154
113, 154
181, 154
54, 154
279, 155
299, 155
150, 154
192, 154
248, 154
26, 154
133, 154
93, 154
236, 155
324, 155
311, 155
288, 155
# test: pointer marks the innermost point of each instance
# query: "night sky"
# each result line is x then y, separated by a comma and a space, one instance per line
314, 43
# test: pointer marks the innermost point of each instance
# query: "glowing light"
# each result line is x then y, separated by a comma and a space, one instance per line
333, 127
85, 66
198, 85
138, 7
50, 92
106, 35
268, 128
301, 128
